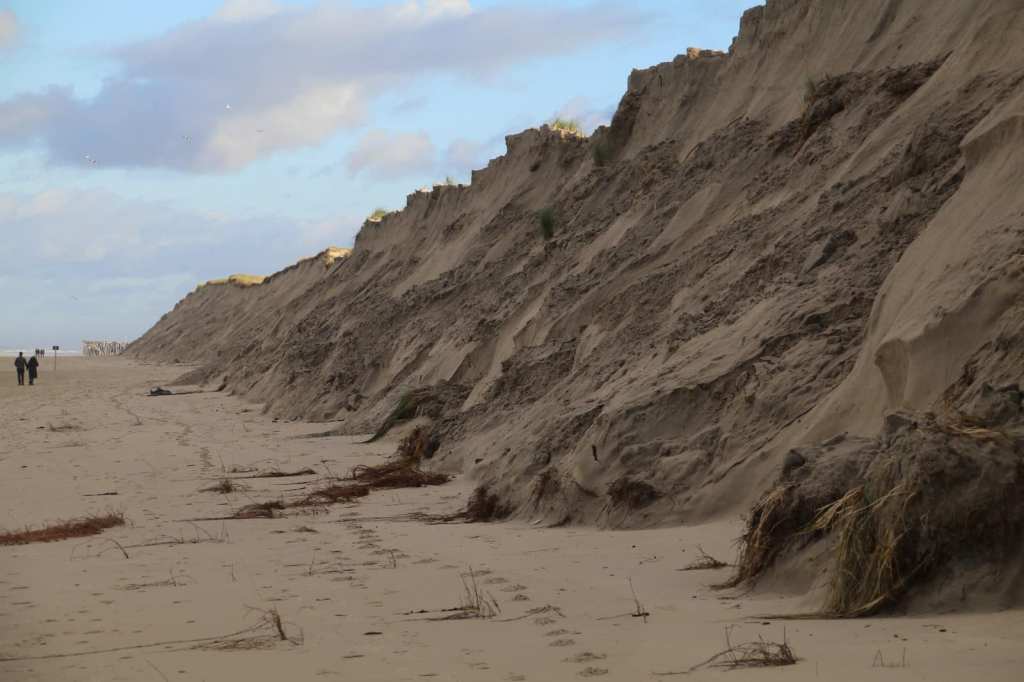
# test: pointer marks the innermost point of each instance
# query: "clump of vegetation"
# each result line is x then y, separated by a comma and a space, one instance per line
406, 408
810, 91
334, 494
483, 506
223, 486
759, 654
239, 280
704, 562
418, 445
601, 153
75, 528
546, 221
260, 510
378, 215
567, 125
632, 494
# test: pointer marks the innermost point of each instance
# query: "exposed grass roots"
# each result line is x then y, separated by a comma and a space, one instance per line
75, 528
401, 472
397, 474
869, 573
759, 544
275, 473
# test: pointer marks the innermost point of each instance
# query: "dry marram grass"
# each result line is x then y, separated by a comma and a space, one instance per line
74, 528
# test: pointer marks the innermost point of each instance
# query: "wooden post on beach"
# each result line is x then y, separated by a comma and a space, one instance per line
55, 349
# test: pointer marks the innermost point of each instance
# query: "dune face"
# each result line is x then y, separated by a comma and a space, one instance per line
794, 269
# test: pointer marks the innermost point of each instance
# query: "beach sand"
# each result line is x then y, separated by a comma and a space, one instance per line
363, 589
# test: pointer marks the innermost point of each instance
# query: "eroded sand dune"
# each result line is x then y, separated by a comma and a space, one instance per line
778, 275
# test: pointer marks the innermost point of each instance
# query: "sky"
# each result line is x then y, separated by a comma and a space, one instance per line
146, 147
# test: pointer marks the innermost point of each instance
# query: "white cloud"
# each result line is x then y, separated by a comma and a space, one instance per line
197, 97
8, 28
390, 155
305, 120
430, 9
246, 10
582, 110
464, 155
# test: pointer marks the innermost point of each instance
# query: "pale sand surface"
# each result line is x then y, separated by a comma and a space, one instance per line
366, 565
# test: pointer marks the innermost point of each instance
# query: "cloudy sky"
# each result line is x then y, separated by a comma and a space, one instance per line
148, 146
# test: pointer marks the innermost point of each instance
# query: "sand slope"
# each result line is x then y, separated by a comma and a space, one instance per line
767, 249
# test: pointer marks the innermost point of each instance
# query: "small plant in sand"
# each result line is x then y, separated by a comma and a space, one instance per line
378, 215
483, 506
75, 528
269, 631
546, 222
224, 486
405, 409
810, 91
475, 602
567, 125
880, 662
757, 654
704, 562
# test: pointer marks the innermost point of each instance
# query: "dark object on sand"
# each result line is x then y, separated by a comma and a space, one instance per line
159, 391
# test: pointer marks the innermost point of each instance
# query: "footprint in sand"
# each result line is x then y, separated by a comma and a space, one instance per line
591, 671
585, 657
514, 588
560, 633
565, 641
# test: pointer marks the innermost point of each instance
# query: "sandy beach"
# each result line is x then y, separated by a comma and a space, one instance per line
366, 590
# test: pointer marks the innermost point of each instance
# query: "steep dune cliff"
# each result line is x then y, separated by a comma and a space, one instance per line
765, 253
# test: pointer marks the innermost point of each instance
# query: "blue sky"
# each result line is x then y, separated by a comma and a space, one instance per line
148, 146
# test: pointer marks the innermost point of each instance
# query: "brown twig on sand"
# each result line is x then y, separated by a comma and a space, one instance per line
75, 528
639, 611
277, 473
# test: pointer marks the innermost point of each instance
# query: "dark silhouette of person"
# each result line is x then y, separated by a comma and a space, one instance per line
20, 365
33, 370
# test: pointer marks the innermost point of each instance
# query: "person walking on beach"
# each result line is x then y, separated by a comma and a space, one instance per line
33, 370
20, 365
